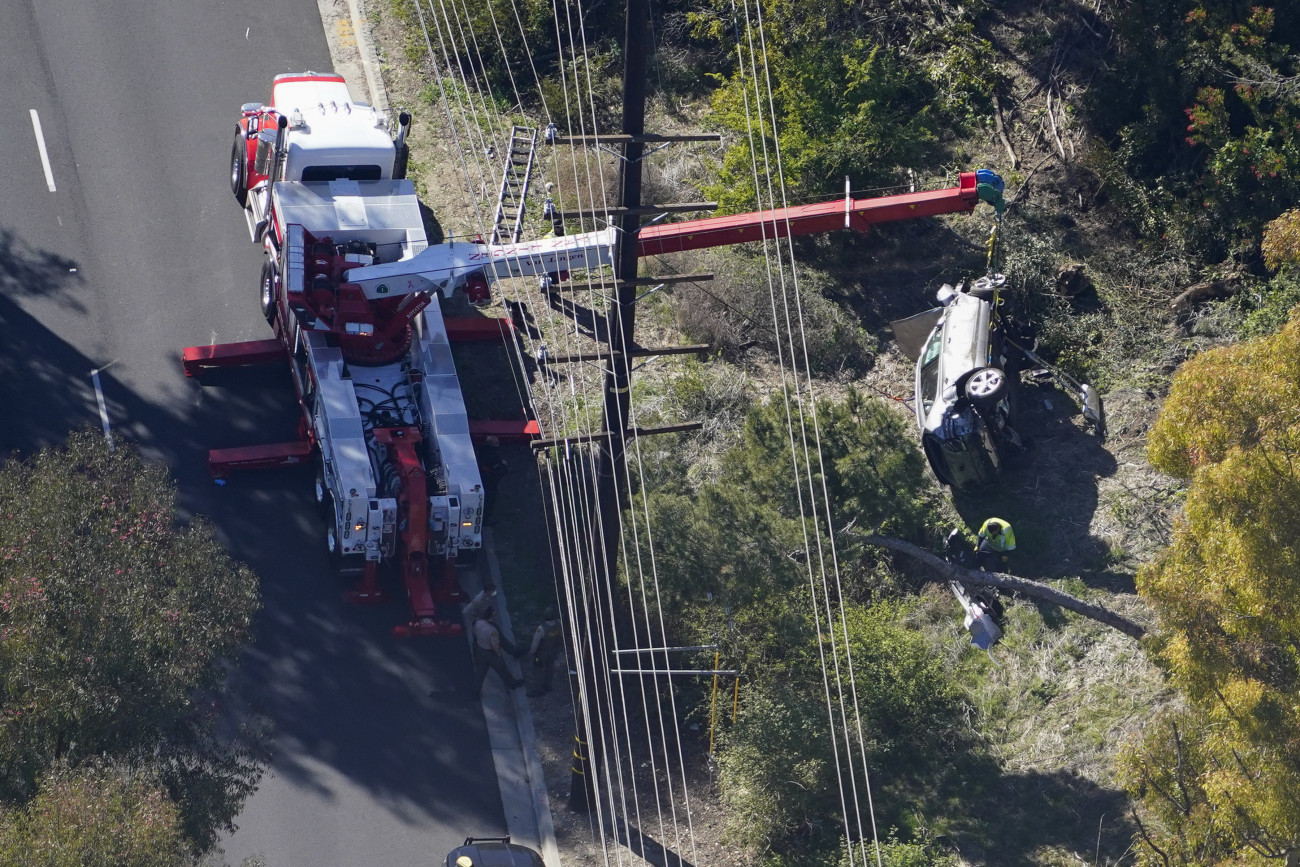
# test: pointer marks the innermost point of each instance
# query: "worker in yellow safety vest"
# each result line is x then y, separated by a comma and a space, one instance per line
996, 540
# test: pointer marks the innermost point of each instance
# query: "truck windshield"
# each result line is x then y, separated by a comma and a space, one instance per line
338, 173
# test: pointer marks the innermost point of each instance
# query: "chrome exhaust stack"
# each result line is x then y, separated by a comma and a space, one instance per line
403, 154
278, 155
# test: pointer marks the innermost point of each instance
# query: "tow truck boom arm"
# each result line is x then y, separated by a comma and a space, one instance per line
846, 213
440, 267
443, 266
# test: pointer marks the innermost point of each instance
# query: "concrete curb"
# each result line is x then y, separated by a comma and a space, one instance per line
347, 33
527, 736
519, 768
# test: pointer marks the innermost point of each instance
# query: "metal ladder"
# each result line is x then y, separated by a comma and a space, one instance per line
509, 223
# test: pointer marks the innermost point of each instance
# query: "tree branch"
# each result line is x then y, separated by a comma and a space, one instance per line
1003, 581
1002, 133
1178, 771
1147, 837
1051, 118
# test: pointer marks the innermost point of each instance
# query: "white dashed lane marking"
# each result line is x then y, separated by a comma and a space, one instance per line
45, 155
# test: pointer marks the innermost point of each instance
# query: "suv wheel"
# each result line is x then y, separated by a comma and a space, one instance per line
986, 387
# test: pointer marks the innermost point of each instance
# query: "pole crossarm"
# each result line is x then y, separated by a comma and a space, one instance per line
704, 671
641, 211
692, 349
605, 435
669, 649
1012, 583
644, 138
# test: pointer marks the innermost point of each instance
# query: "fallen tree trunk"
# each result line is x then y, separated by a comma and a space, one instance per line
1003, 581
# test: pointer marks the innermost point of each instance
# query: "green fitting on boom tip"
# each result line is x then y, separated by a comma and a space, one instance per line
992, 195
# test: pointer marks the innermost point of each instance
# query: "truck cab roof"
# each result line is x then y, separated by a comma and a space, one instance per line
330, 135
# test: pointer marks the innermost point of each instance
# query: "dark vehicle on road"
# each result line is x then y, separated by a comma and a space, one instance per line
493, 852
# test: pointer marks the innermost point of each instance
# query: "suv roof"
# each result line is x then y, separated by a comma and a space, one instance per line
958, 345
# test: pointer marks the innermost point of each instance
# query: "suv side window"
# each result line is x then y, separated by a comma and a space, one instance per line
930, 369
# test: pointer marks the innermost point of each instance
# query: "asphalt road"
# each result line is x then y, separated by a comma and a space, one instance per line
380, 754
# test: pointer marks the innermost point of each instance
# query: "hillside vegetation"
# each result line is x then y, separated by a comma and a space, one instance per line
1152, 155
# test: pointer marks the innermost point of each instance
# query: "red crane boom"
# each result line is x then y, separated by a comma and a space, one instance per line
846, 213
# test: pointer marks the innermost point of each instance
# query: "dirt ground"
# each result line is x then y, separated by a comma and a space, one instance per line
690, 831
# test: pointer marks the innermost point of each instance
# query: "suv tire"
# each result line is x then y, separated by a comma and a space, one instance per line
985, 387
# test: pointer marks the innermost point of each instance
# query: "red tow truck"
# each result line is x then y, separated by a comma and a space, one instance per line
350, 290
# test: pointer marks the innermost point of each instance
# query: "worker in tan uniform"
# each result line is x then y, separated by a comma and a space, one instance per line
548, 641
476, 607
490, 649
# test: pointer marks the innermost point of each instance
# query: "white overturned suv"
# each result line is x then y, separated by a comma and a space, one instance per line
967, 374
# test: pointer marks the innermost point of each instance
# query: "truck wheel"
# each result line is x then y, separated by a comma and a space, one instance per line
267, 292
239, 171
324, 500
342, 564
333, 547
986, 387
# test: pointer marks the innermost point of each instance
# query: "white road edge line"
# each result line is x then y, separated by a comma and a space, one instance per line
103, 409
45, 155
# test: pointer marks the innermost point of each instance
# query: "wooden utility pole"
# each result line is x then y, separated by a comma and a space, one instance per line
610, 462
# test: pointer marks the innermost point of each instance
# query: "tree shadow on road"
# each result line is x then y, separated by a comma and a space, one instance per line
351, 706
29, 272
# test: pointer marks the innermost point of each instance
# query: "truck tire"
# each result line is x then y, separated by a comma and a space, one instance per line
333, 547
342, 564
268, 292
321, 491
239, 171
985, 387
